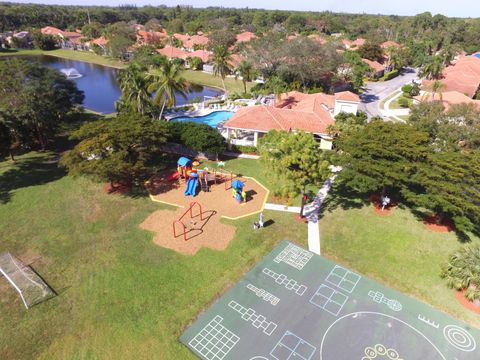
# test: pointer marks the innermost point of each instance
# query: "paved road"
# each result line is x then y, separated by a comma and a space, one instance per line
376, 91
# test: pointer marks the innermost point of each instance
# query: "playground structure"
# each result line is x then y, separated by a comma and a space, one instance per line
191, 221
193, 177
238, 191
180, 221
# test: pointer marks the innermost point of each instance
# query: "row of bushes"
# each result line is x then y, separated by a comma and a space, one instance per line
389, 75
244, 149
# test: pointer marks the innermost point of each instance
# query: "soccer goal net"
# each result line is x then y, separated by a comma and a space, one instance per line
29, 285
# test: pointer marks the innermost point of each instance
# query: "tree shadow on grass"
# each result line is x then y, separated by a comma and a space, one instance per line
340, 197
29, 172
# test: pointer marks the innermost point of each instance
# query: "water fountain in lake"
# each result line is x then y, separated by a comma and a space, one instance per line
71, 73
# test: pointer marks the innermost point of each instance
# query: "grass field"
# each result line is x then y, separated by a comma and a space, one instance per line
396, 250
199, 77
122, 297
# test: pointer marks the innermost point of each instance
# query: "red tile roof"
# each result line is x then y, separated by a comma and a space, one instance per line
151, 36
50, 30
448, 99
246, 36
463, 76
173, 52
202, 54
375, 65
236, 60
101, 41
195, 40
347, 96
294, 111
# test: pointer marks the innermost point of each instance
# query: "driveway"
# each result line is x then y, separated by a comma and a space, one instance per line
376, 91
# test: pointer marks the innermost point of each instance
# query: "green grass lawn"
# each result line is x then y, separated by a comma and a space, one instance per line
199, 77
120, 296
395, 105
397, 251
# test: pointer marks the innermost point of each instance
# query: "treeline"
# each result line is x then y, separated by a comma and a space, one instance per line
433, 32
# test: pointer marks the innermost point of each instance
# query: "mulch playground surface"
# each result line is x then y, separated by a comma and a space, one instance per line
217, 203
295, 305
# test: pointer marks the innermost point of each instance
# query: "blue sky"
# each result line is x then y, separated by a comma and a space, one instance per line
464, 8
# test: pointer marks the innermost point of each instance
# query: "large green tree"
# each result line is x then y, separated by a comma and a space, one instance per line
447, 184
295, 160
34, 101
118, 150
381, 156
432, 68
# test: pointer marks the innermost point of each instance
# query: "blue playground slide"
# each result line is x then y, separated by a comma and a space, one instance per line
191, 187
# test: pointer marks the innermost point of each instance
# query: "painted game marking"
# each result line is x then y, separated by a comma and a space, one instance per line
282, 279
355, 314
428, 321
328, 299
459, 338
214, 341
294, 256
379, 349
264, 294
378, 297
290, 347
343, 278
249, 315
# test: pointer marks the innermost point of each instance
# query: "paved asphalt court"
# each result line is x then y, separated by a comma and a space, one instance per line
295, 305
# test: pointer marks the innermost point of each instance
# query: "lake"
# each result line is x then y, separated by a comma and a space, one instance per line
99, 83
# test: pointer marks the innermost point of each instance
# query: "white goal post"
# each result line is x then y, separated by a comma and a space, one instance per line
29, 285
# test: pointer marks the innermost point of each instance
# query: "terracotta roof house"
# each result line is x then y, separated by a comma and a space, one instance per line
202, 54
448, 99
388, 44
378, 68
195, 41
101, 41
246, 36
462, 76
69, 39
50, 30
150, 37
312, 113
173, 52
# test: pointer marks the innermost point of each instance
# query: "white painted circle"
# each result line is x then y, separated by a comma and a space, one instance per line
394, 352
459, 338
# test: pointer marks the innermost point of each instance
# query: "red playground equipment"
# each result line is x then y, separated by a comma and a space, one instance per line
180, 221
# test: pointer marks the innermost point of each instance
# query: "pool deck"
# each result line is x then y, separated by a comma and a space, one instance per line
197, 112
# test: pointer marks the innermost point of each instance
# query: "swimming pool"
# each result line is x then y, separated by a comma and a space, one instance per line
213, 119
477, 55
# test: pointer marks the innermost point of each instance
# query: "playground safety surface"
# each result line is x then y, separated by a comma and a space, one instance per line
217, 199
295, 305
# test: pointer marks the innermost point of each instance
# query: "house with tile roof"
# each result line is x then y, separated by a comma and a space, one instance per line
378, 69
294, 111
448, 99
68, 39
150, 37
462, 76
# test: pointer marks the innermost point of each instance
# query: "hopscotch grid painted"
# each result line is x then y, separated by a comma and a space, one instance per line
214, 341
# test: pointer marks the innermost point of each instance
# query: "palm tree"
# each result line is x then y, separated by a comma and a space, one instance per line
221, 63
437, 86
246, 71
134, 84
166, 82
433, 68
462, 271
